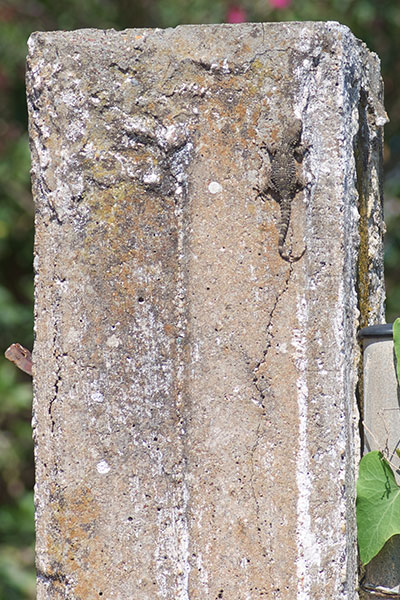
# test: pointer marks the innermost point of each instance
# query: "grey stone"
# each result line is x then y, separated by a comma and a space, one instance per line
195, 416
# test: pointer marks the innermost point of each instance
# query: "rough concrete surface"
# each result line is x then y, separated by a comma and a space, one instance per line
195, 416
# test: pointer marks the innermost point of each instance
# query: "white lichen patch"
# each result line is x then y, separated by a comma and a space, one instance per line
97, 397
215, 187
103, 467
113, 341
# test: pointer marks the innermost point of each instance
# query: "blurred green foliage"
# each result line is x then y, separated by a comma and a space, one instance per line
377, 22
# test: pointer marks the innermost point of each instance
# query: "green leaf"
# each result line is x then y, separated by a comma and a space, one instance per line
378, 505
396, 342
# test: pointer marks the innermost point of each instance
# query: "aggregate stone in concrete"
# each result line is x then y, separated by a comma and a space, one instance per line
195, 419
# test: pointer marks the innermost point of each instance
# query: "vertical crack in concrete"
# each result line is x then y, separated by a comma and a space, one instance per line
56, 385
261, 392
258, 380
253, 490
54, 398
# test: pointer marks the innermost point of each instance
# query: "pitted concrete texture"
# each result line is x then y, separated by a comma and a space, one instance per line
195, 416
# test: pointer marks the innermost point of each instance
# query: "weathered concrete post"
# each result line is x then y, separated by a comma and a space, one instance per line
208, 240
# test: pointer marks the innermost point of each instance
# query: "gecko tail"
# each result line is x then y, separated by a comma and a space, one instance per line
285, 219
289, 257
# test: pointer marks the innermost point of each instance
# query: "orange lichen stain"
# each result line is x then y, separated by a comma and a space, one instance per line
73, 510
275, 132
269, 228
75, 541
227, 126
170, 329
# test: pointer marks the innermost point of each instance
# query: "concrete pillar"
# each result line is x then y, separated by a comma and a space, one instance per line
208, 240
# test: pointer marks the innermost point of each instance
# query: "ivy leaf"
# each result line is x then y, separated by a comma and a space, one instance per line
396, 342
378, 505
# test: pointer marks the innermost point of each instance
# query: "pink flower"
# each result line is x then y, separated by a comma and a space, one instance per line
280, 3
236, 14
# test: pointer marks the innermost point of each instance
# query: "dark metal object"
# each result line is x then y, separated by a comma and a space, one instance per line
377, 331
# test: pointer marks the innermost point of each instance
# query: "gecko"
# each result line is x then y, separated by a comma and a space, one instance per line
284, 181
20, 356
